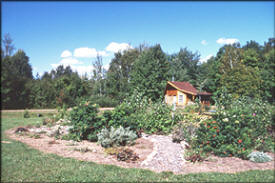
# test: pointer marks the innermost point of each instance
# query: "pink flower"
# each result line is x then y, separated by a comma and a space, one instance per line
254, 114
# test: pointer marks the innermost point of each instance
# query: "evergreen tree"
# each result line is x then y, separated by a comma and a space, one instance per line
150, 73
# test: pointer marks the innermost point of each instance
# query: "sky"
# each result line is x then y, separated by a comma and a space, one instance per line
74, 33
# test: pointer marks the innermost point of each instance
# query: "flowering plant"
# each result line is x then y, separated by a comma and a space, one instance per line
237, 128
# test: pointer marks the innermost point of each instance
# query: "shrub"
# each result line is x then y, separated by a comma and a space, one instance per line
235, 127
192, 108
140, 114
187, 128
62, 113
121, 116
37, 125
104, 101
158, 118
86, 124
259, 157
26, 114
46, 121
178, 133
206, 107
116, 137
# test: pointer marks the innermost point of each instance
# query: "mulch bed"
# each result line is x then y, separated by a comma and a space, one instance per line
142, 148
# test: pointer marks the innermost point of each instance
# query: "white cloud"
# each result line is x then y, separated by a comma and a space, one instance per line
85, 52
83, 69
203, 42
66, 53
70, 61
106, 67
80, 69
67, 62
102, 53
116, 47
88, 52
202, 60
227, 41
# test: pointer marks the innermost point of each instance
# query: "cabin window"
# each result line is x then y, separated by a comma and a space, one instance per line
180, 98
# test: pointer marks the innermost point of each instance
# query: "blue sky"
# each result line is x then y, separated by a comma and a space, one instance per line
73, 33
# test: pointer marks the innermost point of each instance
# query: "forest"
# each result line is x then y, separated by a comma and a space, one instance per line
243, 70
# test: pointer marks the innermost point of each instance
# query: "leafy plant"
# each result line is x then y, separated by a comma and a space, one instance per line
259, 157
238, 126
47, 121
112, 150
62, 113
116, 137
195, 155
192, 108
86, 124
26, 114
127, 155
178, 133
186, 129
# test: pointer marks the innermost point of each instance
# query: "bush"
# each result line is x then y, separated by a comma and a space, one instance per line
122, 115
192, 108
116, 137
140, 114
104, 101
62, 113
237, 127
86, 124
26, 114
178, 133
187, 128
259, 157
158, 118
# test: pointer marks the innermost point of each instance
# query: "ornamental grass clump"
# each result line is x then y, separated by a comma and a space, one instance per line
259, 157
116, 137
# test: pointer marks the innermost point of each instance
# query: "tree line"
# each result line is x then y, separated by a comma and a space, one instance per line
243, 70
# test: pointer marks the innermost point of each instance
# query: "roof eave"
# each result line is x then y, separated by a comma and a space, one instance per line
185, 91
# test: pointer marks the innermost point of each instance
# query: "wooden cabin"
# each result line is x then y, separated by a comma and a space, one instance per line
182, 93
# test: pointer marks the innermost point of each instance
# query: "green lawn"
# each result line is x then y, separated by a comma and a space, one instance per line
23, 164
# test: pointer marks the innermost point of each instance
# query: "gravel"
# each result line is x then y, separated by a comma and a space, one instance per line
166, 156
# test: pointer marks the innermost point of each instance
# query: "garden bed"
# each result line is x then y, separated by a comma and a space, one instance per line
143, 148
72, 149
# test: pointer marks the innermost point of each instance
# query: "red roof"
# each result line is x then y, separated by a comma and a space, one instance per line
184, 86
187, 87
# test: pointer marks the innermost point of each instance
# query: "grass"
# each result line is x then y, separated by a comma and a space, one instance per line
21, 163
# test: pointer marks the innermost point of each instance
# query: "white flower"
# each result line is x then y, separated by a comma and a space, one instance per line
225, 120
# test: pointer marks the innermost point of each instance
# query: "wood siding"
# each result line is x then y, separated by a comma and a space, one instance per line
171, 92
